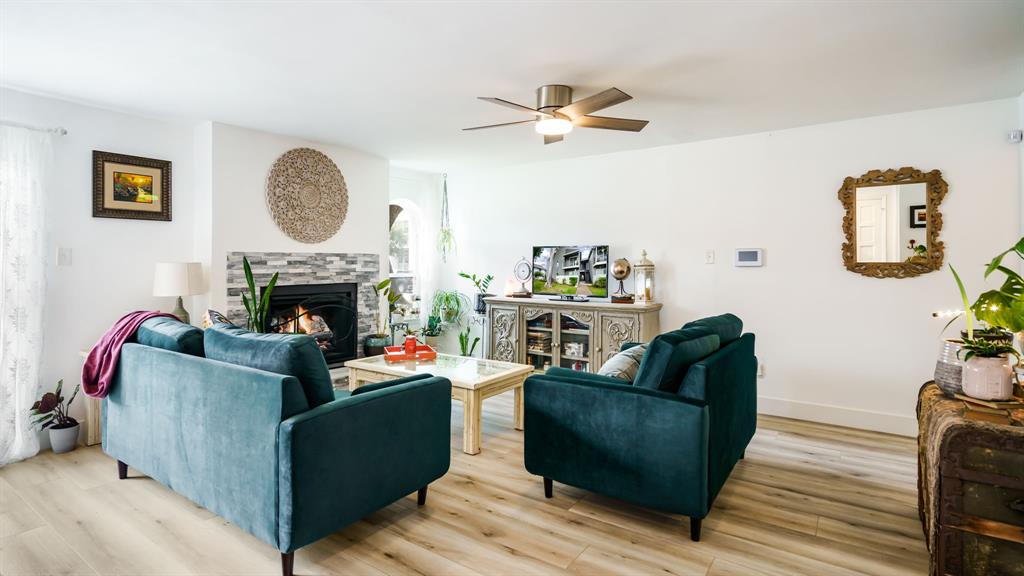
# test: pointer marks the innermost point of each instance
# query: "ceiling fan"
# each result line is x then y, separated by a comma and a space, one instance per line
556, 114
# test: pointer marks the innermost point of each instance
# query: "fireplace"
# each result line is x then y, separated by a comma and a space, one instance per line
327, 312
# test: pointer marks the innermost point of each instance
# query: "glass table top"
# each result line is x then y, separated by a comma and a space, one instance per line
463, 370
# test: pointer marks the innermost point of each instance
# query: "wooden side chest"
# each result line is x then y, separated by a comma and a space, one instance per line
971, 481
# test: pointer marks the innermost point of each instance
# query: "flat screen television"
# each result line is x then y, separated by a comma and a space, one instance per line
571, 270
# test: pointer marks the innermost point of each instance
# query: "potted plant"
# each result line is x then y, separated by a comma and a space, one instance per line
256, 307
449, 305
387, 301
464, 346
987, 371
481, 289
432, 332
51, 412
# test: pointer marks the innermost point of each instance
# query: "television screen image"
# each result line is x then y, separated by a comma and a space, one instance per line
576, 270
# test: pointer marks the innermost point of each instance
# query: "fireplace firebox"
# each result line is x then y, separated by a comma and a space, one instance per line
327, 312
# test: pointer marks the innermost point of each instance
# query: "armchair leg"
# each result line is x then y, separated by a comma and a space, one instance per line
695, 529
743, 455
421, 496
287, 563
548, 488
122, 470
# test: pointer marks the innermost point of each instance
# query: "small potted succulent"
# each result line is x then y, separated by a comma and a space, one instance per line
51, 412
481, 284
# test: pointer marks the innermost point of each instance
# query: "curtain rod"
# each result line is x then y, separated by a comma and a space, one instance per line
59, 130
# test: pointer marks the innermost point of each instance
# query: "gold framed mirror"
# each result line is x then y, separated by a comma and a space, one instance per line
892, 222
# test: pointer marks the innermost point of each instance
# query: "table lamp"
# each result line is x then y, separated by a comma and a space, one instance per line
178, 279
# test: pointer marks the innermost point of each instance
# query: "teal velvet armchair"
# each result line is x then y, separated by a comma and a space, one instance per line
246, 444
667, 440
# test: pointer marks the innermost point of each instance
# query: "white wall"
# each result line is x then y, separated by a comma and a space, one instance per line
112, 260
836, 346
241, 160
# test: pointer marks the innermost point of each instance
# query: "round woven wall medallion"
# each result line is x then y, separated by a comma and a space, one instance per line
306, 195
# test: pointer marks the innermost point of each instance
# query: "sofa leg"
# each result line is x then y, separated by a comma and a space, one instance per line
421, 496
548, 488
287, 563
743, 455
122, 470
695, 529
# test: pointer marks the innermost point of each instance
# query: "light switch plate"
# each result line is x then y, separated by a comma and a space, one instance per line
63, 256
709, 256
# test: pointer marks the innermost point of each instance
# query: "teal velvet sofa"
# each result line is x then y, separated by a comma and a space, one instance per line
277, 454
667, 440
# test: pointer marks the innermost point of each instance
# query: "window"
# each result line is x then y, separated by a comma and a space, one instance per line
403, 253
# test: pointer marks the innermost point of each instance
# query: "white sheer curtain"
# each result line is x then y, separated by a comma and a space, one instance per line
25, 158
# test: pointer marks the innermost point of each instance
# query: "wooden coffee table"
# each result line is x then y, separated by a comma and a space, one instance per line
473, 380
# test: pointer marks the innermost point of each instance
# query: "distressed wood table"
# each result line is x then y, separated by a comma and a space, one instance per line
970, 489
473, 380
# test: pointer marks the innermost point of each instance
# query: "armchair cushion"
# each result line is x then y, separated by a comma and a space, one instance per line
170, 334
625, 364
669, 355
291, 354
727, 326
560, 373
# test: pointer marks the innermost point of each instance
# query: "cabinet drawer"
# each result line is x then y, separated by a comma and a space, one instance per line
993, 461
969, 554
993, 503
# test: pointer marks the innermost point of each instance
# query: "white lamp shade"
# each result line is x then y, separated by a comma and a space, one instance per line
178, 279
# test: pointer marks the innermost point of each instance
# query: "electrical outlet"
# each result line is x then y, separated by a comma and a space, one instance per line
760, 370
709, 256
63, 256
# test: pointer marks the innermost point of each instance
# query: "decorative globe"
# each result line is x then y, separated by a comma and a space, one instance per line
620, 269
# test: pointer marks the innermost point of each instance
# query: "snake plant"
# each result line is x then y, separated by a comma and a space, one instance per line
256, 307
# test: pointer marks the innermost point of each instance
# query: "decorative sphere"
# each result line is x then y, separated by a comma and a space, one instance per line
620, 269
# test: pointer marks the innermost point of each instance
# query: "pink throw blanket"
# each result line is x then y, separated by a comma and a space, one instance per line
101, 364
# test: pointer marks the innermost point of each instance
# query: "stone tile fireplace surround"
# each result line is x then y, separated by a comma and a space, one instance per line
306, 268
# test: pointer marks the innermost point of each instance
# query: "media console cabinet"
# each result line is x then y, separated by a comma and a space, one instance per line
575, 335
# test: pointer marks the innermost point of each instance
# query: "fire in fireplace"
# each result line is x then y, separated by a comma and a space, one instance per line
327, 312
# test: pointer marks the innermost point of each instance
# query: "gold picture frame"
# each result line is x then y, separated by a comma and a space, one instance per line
130, 187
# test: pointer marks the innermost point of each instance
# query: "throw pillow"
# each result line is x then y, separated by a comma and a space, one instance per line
670, 355
170, 334
213, 317
292, 354
625, 364
728, 326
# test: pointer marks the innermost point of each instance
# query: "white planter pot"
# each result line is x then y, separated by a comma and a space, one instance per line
64, 439
988, 378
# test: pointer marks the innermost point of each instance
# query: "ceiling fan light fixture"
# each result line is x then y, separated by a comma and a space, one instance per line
553, 126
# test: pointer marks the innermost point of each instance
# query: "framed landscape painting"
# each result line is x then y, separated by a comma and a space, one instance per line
130, 187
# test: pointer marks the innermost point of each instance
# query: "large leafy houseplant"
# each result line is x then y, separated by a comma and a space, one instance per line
256, 307
449, 305
387, 301
1003, 307
481, 283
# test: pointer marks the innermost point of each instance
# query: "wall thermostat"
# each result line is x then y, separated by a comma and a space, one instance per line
749, 257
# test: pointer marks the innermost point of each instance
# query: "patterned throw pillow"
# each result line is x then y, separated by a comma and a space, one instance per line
213, 317
625, 364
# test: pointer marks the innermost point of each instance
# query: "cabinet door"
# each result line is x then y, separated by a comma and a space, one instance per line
575, 342
539, 327
504, 333
617, 329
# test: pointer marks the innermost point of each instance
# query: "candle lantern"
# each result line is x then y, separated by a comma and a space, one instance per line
643, 273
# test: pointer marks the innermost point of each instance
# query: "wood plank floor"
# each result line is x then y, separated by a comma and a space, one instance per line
808, 499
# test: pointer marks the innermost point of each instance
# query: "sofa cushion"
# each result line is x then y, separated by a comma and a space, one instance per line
170, 334
292, 354
669, 355
727, 326
625, 364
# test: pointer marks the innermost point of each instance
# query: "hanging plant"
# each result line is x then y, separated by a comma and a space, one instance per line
445, 237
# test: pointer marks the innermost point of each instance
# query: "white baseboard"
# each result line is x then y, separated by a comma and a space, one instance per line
839, 416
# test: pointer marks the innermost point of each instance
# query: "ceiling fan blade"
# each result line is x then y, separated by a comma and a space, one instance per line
552, 139
500, 125
513, 106
610, 123
599, 101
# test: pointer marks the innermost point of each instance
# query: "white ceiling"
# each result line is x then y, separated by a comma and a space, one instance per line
400, 79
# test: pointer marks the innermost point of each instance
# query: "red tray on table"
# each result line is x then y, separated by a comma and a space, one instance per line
398, 354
